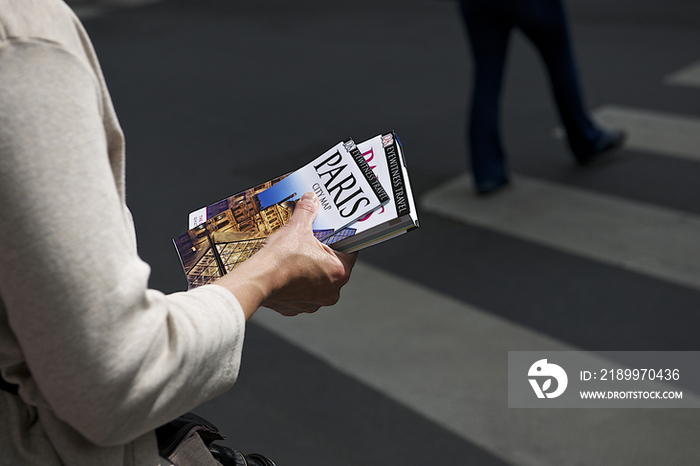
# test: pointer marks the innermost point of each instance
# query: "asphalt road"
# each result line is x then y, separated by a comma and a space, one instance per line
216, 96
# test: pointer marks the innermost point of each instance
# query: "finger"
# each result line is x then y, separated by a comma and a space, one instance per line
305, 211
348, 260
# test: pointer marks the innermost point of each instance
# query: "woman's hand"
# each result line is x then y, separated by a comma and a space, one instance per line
293, 272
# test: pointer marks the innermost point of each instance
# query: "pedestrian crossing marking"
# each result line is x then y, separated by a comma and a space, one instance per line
447, 360
86, 10
659, 242
687, 76
656, 132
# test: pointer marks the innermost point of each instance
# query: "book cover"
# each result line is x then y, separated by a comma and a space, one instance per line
384, 154
226, 233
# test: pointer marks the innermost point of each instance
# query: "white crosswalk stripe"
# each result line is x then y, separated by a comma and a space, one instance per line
655, 132
655, 241
87, 9
688, 76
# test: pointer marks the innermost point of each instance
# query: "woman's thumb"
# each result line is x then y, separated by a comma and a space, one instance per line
305, 210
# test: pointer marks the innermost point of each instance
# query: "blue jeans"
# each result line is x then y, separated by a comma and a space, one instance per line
489, 23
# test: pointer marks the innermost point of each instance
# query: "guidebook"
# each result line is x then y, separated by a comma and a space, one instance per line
224, 234
230, 231
385, 156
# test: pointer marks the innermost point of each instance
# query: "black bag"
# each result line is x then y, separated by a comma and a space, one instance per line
174, 433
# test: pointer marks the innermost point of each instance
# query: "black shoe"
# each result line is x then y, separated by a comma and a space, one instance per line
488, 187
610, 140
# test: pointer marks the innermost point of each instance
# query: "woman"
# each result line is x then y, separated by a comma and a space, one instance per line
98, 360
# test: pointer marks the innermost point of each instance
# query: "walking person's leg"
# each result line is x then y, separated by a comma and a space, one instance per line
545, 24
489, 41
